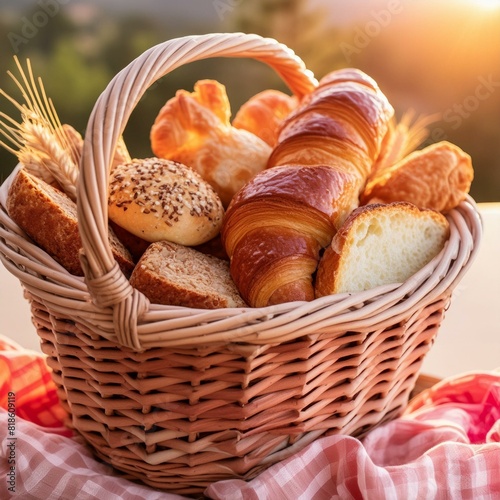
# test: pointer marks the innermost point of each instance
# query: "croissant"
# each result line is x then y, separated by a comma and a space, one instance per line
277, 224
194, 129
263, 114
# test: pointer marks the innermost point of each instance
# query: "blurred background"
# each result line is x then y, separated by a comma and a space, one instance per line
433, 57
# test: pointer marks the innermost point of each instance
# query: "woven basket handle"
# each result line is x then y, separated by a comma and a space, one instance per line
107, 285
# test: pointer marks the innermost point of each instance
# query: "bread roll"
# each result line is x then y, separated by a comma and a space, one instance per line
172, 274
158, 199
437, 177
380, 244
49, 217
194, 129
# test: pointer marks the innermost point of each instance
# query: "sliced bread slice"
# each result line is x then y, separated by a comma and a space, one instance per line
172, 274
380, 244
49, 217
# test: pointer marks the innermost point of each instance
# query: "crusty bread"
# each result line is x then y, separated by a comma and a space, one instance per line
380, 244
172, 274
436, 177
135, 245
49, 217
157, 199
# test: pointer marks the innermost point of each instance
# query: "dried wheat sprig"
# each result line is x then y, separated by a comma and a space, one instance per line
40, 144
43, 105
415, 130
39, 140
404, 137
9, 132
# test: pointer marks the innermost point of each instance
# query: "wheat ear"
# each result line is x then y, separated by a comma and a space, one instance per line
404, 137
39, 140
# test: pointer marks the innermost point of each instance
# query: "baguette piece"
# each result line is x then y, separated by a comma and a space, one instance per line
378, 245
49, 217
172, 274
436, 177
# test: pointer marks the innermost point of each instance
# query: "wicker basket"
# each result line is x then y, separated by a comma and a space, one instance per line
180, 398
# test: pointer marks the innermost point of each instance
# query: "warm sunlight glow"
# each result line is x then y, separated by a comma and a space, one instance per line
487, 4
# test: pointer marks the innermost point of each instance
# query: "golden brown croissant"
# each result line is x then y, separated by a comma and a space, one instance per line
276, 225
264, 113
194, 129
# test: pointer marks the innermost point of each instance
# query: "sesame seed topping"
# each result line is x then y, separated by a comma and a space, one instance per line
164, 189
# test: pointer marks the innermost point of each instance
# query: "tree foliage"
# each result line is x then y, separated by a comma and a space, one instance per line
419, 61
297, 25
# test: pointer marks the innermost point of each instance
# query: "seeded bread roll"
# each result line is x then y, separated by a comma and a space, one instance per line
49, 217
157, 199
172, 274
378, 245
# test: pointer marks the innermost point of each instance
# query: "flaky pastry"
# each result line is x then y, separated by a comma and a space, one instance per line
264, 113
195, 129
276, 226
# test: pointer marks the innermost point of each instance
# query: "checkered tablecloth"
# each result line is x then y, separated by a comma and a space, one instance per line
445, 446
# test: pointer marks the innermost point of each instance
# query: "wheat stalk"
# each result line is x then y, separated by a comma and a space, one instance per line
39, 140
404, 137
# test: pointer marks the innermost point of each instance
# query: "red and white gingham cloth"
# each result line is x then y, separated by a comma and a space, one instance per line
445, 446
25, 374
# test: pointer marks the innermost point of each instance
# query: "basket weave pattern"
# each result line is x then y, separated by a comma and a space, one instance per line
230, 408
178, 397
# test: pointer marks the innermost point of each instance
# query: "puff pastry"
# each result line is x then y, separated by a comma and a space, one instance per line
194, 129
